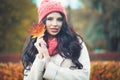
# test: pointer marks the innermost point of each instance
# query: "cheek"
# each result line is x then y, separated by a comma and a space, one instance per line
47, 28
60, 25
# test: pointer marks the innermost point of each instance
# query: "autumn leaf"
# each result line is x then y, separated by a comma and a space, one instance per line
37, 30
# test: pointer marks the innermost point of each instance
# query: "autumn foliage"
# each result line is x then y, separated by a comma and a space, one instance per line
106, 70
11, 71
100, 70
37, 30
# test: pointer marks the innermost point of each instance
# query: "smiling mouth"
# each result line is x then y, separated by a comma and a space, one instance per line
54, 30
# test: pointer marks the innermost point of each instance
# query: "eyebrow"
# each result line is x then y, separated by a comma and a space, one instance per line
52, 17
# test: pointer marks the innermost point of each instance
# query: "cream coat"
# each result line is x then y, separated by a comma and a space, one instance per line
59, 68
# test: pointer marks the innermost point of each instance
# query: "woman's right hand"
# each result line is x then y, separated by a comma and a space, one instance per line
40, 44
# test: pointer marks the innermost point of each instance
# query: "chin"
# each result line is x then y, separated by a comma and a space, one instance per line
54, 34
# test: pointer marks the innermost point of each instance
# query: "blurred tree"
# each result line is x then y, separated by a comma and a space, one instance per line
111, 19
15, 18
98, 22
80, 18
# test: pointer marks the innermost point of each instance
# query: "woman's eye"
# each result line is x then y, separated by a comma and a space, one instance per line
60, 19
49, 18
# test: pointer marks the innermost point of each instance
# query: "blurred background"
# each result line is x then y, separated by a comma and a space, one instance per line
97, 21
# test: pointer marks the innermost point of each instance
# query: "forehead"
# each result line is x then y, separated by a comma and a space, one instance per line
54, 14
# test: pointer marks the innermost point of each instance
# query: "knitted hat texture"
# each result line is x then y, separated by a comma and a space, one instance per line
48, 6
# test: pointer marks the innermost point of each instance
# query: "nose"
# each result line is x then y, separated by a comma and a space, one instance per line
54, 23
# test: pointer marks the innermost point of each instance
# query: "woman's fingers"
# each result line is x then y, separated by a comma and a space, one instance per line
41, 41
40, 44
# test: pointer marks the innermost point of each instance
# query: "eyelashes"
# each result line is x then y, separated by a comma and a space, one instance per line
58, 19
49, 18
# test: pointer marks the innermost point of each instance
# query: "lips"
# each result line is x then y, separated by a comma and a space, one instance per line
54, 29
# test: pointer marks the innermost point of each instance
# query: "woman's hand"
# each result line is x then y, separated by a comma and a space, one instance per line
40, 44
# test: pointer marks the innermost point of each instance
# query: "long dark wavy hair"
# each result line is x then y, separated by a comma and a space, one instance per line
68, 46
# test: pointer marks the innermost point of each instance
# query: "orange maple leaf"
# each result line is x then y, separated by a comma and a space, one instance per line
37, 30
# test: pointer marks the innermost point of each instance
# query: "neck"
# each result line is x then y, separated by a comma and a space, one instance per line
50, 37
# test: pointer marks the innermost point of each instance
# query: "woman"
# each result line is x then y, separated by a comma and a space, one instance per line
59, 54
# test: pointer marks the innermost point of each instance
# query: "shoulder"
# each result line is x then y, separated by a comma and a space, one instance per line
83, 45
80, 39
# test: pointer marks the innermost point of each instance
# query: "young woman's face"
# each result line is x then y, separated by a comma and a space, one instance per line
54, 23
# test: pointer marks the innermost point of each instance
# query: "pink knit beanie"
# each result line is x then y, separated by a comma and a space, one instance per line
48, 6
